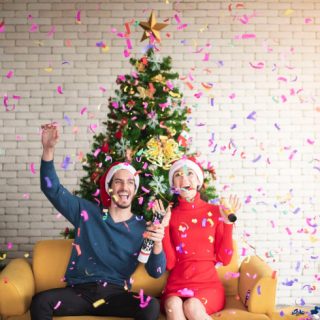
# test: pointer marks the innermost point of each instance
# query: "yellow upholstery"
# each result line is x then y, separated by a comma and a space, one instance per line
19, 282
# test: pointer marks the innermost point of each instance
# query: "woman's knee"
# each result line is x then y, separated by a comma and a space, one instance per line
193, 306
173, 305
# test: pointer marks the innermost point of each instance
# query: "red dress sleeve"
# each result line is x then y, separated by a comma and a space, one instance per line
169, 249
223, 243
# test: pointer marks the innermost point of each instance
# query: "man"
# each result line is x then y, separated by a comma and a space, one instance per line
105, 248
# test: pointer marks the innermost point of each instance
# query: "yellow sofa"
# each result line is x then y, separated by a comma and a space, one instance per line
250, 296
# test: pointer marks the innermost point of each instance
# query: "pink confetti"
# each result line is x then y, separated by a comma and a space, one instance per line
102, 89
258, 65
143, 303
96, 193
84, 214
2, 27
93, 127
9, 74
292, 154
32, 169
57, 305
126, 53
245, 36
282, 79
145, 189
140, 200
288, 231
232, 96
186, 292
310, 141
129, 45
283, 98
59, 90
244, 250
272, 223
206, 57
9, 245
177, 19
182, 26
33, 28
78, 16
77, 248
97, 152
52, 31
308, 20
83, 110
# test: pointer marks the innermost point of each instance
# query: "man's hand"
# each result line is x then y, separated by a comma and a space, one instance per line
155, 231
49, 138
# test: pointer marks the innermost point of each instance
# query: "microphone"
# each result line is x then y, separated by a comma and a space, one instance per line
232, 217
147, 244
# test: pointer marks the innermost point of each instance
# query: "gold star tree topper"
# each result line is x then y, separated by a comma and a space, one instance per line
151, 26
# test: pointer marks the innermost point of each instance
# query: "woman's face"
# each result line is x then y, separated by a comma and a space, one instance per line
186, 182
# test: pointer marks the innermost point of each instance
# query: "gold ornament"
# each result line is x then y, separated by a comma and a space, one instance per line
162, 152
140, 66
143, 92
159, 78
153, 27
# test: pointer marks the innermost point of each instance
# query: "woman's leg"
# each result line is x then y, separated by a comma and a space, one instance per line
174, 308
195, 310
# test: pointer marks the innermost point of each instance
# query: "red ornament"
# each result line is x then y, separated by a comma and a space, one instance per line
118, 135
105, 147
124, 121
144, 60
94, 177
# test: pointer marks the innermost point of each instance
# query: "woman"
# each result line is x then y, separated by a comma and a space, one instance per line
198, 236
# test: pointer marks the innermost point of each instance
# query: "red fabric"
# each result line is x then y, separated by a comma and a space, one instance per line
194, 242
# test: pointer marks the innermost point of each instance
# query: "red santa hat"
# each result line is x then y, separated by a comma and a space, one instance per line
106, 178
190, 163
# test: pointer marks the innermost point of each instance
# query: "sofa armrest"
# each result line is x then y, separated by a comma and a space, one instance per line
257, 285
16, 288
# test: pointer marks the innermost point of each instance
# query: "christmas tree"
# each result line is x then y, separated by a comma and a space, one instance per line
147, 127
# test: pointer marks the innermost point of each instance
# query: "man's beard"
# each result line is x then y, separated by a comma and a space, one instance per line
121, 206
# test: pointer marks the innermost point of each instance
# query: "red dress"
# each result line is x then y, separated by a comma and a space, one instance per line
194, 242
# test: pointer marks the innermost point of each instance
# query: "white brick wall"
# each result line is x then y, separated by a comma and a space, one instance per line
277, 193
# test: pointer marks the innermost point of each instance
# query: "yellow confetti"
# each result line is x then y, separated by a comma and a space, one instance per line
211, 238
49, 69
26, 255
105, 49
288, 12
98, 303
194, 220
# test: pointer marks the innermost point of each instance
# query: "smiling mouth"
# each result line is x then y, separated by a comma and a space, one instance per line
123, 196
186, 188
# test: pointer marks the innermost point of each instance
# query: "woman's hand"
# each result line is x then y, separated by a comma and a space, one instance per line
232, 205
155, 231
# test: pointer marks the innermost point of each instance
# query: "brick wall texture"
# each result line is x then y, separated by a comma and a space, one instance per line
253, 66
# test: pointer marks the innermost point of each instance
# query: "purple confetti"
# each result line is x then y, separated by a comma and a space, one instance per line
48, 181
233, 126
66, 162
257, 158
277, 126
251, 116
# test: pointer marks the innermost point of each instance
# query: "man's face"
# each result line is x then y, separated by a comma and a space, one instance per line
186, 182
123, 189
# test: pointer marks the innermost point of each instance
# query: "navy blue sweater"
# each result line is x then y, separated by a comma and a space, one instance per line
102, 250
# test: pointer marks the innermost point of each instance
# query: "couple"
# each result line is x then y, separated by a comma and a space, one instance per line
189, 243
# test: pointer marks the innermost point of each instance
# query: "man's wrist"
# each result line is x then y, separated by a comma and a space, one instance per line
47, 154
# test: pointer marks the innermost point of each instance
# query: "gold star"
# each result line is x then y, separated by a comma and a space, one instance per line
153, 27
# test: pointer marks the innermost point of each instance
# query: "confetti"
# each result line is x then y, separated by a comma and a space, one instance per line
57, 305
59, 90
34, 28
9, 74
98, 303
78, 17
48, 181
85, 215
66, 162
2, 26
32, 169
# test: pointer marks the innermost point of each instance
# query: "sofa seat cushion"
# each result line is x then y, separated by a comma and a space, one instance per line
235, 310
